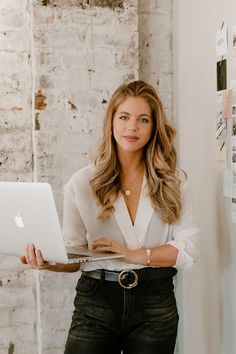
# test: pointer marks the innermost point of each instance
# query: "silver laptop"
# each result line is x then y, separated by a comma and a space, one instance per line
28, 215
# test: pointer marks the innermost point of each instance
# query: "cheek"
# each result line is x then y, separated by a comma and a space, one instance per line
148, 134
115, 136
115, 131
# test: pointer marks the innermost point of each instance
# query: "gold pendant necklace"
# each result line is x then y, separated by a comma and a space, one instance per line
128, 191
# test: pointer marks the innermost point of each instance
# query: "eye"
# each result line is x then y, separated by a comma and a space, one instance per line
124, 117
144, 120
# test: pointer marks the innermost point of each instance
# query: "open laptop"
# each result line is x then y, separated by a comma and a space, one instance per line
28, 215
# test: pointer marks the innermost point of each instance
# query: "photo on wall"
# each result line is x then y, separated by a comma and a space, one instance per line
222, 75
234, 36
234, 126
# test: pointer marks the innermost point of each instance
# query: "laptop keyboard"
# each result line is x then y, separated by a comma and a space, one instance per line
76, 255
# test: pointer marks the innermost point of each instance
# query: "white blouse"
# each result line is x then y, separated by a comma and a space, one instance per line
81, 225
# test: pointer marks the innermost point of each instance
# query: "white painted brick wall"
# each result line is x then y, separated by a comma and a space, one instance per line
79, 62
17, 308
17, 287
70, 58
155, 48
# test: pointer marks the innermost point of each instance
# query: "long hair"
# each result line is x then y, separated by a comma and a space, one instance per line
159, 157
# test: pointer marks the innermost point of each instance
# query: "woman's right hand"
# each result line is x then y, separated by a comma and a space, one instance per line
34, 259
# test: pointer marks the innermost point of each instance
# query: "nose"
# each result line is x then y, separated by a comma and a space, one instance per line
132, 125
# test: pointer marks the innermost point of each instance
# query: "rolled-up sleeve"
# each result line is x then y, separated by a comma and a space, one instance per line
185, 233
73, 229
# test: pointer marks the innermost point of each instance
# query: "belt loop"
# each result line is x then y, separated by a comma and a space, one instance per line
147, 278
102, 279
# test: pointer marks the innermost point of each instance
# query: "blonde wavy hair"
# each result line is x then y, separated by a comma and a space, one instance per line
159, 157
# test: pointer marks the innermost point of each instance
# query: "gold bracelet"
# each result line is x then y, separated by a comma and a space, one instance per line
148, 253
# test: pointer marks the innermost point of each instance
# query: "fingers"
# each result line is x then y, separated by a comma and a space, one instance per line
39, 258
33, 257
102, 241
107, 245
30, 256
23, 260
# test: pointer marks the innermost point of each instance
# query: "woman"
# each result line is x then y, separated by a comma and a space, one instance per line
134, 201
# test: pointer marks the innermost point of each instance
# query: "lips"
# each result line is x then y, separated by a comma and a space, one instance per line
131, 137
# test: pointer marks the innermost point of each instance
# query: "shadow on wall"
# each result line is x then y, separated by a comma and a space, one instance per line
84, 3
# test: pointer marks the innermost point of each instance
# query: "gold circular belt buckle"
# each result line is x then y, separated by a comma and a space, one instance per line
128, 279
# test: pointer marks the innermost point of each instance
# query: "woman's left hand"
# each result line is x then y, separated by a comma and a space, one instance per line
105, 244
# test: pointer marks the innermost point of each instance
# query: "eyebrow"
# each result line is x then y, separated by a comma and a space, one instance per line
140, 115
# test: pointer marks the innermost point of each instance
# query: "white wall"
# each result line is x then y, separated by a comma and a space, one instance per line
210, 288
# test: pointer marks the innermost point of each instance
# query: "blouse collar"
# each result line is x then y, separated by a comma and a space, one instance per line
134, 234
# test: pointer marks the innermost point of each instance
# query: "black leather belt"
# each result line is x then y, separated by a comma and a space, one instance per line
129, 278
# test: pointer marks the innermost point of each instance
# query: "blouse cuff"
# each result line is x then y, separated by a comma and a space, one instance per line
184, 260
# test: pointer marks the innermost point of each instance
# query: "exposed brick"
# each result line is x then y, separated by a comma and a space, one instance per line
83, 3
40, 101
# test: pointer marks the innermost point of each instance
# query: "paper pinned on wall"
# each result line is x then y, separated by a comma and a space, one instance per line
221, 71
227, 103
233, 129
221, 139
234, 45
222, 42
234, 35
228, 183
221, 131
233, 200
229, 190
233, 151
233, 160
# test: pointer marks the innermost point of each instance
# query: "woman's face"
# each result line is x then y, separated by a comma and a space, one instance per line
132, 125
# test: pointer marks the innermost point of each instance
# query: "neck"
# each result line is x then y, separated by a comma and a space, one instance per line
130, 162
132, 168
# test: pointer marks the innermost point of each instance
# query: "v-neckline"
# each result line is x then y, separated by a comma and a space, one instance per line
138, 205
134, 234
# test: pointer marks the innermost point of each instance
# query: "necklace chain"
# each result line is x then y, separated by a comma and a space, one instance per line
128, 191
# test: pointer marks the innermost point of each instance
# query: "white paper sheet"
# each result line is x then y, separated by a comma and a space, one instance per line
228, 183
221, 42
233, 210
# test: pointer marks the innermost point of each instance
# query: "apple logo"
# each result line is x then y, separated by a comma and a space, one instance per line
19, 221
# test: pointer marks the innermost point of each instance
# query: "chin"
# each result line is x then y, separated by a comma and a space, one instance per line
130, 149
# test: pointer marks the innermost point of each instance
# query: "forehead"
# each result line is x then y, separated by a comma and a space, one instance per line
134, 105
